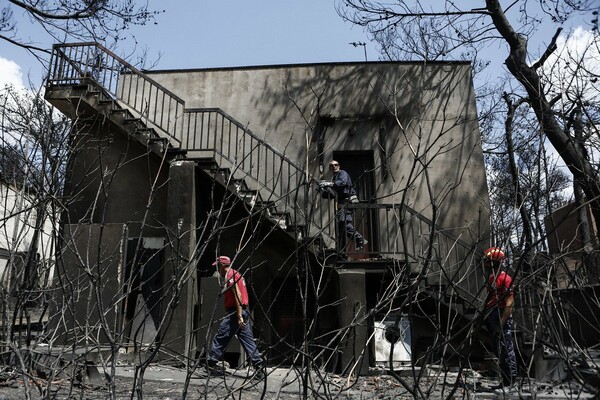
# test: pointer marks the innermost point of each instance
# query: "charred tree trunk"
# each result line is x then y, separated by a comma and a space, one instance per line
514, 173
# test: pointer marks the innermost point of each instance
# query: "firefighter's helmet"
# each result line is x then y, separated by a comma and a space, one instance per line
494, 254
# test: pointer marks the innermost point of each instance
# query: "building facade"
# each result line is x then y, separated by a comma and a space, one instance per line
172, 168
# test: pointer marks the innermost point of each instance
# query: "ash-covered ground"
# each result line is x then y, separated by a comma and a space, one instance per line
168, 382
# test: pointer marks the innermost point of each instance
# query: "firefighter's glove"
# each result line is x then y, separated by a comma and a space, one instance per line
324, 184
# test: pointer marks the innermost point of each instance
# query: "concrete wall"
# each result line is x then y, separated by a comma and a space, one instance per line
418, 121
112, 178
428, 111
564, 232
88, 299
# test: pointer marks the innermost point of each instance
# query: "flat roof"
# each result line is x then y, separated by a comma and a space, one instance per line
301, 65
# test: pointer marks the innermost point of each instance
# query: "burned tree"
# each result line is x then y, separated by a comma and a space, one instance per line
96, 20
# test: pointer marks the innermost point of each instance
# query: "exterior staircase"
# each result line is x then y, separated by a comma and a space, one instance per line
97, 81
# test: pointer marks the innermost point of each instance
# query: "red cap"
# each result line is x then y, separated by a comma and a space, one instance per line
223, 260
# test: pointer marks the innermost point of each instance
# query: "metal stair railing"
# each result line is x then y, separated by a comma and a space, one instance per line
73, 64
280, 180
398, 231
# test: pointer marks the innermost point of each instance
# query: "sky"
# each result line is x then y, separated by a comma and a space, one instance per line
227, 33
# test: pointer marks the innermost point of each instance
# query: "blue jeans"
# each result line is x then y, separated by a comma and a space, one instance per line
227, 329
503, 345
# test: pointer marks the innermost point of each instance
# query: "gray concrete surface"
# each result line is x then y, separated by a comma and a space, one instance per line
287, 383
167, 382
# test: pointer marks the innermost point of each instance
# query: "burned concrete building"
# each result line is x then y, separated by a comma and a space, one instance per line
171, 168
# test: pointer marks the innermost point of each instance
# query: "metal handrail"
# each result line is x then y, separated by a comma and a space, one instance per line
246, 130
400, 232
73, 63
278, 179
414, 223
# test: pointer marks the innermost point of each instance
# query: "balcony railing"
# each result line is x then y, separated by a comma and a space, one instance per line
399, 232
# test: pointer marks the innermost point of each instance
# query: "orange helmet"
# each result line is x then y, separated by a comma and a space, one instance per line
494, 254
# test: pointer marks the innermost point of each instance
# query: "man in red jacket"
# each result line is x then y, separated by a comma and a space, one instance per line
236, 322
499, 305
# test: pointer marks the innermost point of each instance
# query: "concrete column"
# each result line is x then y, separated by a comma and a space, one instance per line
102, 248
180, 276
352, 310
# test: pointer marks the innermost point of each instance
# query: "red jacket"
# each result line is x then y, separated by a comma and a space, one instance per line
233, 277
499, 288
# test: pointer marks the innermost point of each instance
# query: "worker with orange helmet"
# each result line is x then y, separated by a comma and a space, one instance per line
499, 305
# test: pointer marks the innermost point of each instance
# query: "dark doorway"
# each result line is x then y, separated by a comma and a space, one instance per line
287, 320
143, 288
360, 165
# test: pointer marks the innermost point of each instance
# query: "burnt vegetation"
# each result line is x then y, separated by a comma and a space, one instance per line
100, 282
